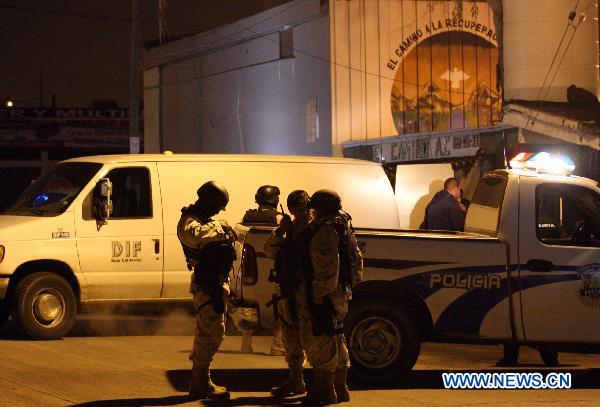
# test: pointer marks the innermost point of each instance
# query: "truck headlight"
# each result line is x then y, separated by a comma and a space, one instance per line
1, 253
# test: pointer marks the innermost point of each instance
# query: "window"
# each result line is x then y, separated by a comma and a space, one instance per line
131, 195
484, 210
53, 192
286, 43
568, 215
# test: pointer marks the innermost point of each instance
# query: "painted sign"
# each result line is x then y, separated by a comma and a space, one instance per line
404, 67
427, 147
445, 73
64, 128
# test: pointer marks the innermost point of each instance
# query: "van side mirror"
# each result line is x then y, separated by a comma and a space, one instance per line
103, 200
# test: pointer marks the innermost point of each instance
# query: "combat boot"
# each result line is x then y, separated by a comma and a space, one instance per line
293, 386
322, 390
202, 387
341, 389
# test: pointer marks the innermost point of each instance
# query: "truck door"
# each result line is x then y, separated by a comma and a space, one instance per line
123, 258
559, 246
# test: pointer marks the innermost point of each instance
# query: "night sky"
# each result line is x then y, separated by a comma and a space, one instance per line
81, 48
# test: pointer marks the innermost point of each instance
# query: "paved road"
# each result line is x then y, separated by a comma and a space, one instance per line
144, 361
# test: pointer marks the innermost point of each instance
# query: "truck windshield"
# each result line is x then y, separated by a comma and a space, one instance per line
52, 193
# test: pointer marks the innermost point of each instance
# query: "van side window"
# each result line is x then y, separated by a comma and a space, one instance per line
567, 215
131, 196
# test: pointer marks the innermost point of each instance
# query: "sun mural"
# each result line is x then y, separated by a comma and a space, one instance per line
448, 81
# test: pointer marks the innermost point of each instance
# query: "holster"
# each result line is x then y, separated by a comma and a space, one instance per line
210, 285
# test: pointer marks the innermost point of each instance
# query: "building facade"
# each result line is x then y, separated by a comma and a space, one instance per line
388, 80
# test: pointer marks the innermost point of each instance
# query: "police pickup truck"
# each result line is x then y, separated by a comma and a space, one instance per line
526, 269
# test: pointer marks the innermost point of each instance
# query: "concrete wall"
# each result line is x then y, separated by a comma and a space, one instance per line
231, 91
532, 34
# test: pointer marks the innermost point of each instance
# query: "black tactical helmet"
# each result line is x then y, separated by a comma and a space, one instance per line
213, 195
326, 200
267, 195
298, 198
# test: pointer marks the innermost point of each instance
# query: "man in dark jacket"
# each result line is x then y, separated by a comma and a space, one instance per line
445, 212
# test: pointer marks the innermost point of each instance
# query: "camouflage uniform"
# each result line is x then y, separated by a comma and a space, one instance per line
290, 330
266, 215
210, 325
323, 352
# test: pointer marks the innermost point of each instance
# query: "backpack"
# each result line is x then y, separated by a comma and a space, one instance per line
350, 253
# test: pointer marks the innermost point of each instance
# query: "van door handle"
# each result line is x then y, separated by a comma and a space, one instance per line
156, 246
540, 265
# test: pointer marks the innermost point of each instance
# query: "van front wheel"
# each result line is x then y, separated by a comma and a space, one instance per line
383, 342
44, 306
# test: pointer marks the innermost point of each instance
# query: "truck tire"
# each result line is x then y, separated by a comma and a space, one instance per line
4, 312
44, 306
382, 341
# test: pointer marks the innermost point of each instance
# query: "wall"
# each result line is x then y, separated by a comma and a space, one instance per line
411, 66
532, 33
233, 90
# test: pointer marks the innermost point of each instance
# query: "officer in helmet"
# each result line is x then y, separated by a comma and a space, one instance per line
208, 246
267, 198
284, 245
332, 262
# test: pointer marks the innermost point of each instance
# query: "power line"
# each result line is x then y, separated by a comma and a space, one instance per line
571, 17
122, 20
229, 37
542, 100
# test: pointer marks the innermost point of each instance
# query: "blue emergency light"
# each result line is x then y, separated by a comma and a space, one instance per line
544, 163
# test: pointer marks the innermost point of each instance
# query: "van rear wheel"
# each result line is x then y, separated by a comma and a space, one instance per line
44, 306
382, 341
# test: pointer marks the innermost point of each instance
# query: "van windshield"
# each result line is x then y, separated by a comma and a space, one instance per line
52, 193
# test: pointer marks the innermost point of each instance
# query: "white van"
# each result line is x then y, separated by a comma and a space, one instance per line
55, 254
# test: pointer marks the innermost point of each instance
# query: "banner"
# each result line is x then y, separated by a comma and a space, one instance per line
65, 128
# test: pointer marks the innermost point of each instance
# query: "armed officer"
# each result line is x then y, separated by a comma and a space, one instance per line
208, 246
333, 264
283, 245
267, 198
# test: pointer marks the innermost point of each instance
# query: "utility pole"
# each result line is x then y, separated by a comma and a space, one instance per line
42, 85
134, 80
163, 32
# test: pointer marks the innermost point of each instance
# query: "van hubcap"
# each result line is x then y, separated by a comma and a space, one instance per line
48, 307
376, 342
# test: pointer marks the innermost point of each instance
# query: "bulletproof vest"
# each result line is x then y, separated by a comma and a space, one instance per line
214, 259
350, 255
288, 261
260, 216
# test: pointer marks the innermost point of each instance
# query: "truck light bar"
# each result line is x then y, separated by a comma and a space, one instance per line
544, 162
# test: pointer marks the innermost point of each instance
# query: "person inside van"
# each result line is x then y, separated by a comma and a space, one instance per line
445, 211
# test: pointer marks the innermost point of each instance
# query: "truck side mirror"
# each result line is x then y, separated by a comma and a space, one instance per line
102, 200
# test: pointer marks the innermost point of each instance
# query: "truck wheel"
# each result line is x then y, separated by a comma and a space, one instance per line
44, 306
382, 341
4, 312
